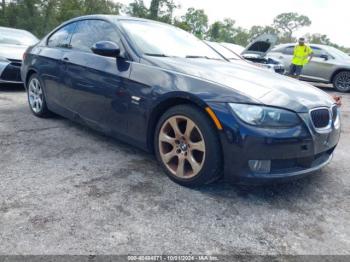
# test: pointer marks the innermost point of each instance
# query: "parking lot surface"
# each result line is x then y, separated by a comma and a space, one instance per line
65, 189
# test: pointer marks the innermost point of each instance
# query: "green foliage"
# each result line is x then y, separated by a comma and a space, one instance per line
160, 10
195, 21
182, 24
222, 31
137, 9
41, 16
288, 23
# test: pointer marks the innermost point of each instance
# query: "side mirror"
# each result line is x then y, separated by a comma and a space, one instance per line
106, 48
325, 57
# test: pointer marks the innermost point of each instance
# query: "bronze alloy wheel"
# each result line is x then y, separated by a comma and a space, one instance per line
182, 147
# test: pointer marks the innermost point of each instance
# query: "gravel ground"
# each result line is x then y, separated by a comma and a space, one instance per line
68, 190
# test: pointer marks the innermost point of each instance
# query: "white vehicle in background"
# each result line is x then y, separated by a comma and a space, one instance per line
13, 44
257, 51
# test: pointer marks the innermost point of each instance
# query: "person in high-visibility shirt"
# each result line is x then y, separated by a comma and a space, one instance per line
301, 56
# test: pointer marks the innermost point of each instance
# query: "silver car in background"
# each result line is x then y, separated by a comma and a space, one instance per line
13, 44
329, 65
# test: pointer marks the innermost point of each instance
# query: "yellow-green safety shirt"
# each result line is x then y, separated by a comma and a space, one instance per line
301, 55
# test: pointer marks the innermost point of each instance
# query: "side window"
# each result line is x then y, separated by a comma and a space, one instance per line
61, 38
277, 49
88, 32
318, 52
289, 50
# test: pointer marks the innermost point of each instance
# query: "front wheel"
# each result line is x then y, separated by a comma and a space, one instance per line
341, 81
187, 146
36, 97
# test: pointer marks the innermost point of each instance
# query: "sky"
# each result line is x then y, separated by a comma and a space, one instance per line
331, 17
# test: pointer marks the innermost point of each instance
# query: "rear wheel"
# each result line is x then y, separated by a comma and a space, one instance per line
36, 97
187, 146
341, 81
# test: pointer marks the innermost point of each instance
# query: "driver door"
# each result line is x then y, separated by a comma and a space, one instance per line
321, 66
95, 85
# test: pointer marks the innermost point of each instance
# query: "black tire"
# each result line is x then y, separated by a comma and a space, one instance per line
212, 162
42, 111
341, 81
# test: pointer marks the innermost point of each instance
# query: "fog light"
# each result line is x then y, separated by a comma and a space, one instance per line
260, 166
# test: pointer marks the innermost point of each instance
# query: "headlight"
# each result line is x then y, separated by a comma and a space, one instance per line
264, 116
3, 59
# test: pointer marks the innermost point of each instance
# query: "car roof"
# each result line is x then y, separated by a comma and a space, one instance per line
111, 18
13, 29
293, 44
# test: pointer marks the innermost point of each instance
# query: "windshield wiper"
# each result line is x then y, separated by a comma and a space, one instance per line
197, 56
204, 57
157, 55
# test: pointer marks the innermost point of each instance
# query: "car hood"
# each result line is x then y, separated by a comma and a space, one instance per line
261, 45
12, 51
260, 85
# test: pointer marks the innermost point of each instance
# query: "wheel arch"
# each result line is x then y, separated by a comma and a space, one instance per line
337, 72
28, 75
166, 104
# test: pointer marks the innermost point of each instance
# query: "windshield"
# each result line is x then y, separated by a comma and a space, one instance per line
224, 51
337, 53
16, 37
164, 40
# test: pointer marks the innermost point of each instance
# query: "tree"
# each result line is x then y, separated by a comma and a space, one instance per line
41, 16
3, 6
162, 10
137, 9
182, 24
241, 37
258, 30
288, 23
318, 39
222, 31
154, 9
101, 7
195, 21
68, 9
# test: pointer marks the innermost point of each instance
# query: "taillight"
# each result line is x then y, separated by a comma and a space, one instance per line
24, 55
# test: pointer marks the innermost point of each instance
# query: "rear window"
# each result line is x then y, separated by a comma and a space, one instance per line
289, 50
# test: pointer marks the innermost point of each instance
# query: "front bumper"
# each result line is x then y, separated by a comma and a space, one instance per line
10, 72
293, 153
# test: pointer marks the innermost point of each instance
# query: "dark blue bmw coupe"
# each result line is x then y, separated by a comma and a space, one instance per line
163, 90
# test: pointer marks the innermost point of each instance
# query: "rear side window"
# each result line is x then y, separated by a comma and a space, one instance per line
277, 49
89, 32
61, 38
289, 50
318, 52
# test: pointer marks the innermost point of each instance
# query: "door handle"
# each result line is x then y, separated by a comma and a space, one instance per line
281, 57
65, 59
